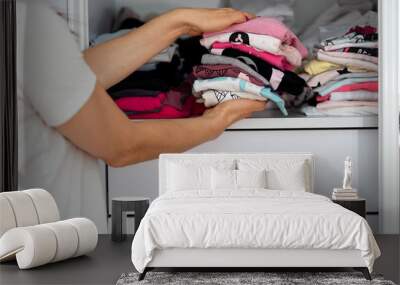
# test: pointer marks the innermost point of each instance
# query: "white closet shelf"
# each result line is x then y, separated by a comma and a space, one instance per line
273, 120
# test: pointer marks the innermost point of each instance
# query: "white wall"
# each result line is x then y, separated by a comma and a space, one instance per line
329, 146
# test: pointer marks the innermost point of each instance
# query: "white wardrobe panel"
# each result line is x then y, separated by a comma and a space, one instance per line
147, 8
306, 11
329, 146
101, 15
60, 6
389, 87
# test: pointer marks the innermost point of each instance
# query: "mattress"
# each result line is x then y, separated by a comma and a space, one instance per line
250, 218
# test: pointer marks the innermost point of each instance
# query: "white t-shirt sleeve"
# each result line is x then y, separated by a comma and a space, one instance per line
57, 80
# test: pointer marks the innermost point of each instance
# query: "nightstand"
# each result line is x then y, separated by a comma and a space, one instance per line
123, 204
358, 206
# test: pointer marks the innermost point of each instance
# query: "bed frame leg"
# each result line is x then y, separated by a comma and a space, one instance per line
142, 275
364, 271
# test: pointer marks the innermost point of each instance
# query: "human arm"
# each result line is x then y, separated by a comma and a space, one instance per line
103, 131
114, 60
63, 91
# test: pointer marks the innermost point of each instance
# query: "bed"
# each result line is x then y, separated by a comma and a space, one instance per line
247, 211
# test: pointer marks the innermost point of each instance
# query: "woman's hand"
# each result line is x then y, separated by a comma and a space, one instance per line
202, 20
225, 114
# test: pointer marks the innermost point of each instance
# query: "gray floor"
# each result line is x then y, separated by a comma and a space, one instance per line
103, 266
110, 259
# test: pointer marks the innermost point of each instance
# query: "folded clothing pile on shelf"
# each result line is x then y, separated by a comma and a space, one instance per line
338, 19
160, 89
344, 194
344, 75
252, 60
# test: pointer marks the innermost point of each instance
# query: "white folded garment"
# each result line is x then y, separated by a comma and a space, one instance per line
261, 42
347, 45
349, 62
351, 56
336, 75
214, 97
237, 85
340, 112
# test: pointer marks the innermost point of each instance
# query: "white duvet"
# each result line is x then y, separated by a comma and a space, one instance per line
250, 219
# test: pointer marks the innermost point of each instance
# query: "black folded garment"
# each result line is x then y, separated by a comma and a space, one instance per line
130, 23
190, 51
366, 51
134, 93
290, 83
163, 78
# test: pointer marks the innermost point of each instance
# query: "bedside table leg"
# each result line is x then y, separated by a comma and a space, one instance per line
116, 222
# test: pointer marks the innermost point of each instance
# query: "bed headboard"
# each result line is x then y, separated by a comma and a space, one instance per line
164, 159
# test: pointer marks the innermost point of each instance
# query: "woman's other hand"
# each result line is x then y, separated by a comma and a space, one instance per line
202, 20
225, 114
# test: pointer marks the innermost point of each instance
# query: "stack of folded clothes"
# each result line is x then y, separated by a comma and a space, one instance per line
160, 89
155, 104
252, 60
345, 75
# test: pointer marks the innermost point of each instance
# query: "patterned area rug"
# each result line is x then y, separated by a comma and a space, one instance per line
244, 278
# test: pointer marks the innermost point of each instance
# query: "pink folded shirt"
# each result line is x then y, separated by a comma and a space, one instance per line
277, 60
267, 26
369, 86
190, 108
141, 104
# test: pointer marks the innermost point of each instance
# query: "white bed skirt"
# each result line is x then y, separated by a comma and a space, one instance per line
190, 257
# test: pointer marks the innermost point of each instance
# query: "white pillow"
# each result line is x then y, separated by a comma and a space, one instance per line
182, 178
290, 179
223, 179
282, 174
183, 175
237, 179
251, 178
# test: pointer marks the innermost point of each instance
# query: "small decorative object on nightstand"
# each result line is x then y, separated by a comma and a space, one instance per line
347, 196
138, 205
347, 192
358, 206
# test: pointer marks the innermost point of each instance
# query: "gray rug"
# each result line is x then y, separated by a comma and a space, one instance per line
244, 278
